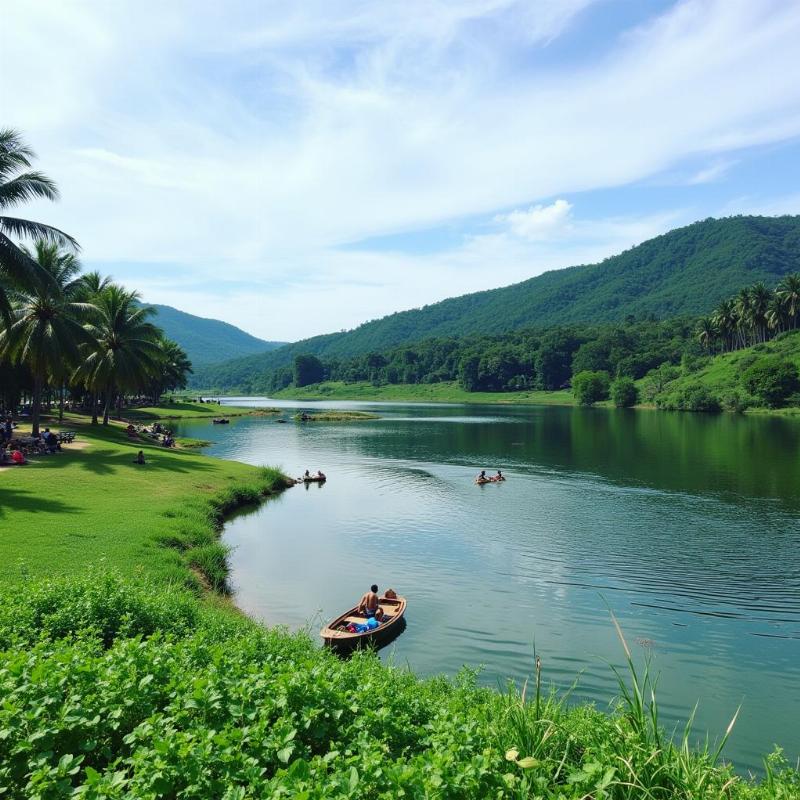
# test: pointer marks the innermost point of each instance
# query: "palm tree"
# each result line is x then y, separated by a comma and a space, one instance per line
174, 368
788, 292
744, 318
93, 283
777, 314
124, 355
45, 328
19, 184
725, 321
760, 298
707, 332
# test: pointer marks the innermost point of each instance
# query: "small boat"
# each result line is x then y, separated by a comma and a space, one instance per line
336, 635
221, 421
313, 479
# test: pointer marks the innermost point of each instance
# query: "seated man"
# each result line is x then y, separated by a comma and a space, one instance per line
139, 458
369, 605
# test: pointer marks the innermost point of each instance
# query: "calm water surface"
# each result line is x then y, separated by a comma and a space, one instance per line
685, 525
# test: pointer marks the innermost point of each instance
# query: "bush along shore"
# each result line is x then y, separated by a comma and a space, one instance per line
114, 690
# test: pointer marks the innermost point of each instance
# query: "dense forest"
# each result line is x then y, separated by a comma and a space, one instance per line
683, 273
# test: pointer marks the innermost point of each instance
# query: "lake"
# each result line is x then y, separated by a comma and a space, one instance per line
685, 525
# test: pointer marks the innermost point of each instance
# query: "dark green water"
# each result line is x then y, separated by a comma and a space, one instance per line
685, 525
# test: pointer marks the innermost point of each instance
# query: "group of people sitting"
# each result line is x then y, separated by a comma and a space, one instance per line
156, 431
307, 476
11, 456
12, 453
484, 478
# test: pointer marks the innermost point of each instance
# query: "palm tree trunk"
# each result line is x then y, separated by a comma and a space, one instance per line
119, 406
61, 404
94, 407
107, 407
38, 380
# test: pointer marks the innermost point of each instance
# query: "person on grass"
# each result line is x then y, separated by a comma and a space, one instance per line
139, 458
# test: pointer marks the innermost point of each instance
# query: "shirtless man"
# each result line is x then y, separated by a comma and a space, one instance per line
369, 602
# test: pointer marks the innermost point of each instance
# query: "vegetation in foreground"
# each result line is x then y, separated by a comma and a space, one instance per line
116, 690
64, 513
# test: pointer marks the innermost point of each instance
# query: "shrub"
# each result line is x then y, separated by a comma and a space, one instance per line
624, 393
590, 387
771, 380
734, 400
694, 397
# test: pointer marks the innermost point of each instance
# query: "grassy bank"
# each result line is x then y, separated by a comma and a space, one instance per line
91, 504
335, 416
182, 409
114, 690
420, 393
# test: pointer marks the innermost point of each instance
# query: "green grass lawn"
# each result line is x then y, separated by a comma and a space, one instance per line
188, 410
92, 505
421, 393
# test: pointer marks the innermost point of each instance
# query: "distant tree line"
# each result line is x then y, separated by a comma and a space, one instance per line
527, 359
68, 337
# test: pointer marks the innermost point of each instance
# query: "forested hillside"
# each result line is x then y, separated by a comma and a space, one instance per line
685, 272
208, 341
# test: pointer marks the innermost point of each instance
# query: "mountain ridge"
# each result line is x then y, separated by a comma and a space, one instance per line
208, 341
662, 277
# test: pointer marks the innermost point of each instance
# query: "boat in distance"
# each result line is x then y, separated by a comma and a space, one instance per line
336, 635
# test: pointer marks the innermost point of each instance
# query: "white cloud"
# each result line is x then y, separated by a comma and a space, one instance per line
538, 222
712, 172
248, 140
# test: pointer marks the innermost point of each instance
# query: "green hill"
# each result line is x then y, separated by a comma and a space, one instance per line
684, 272
208, 341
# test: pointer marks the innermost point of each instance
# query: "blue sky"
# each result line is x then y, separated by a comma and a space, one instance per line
300, 168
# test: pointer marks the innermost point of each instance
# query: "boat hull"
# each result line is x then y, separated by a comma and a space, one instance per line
344, 641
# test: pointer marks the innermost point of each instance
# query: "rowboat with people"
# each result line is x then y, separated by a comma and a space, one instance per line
358, 628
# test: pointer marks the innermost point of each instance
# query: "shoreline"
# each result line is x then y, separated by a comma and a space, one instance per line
449, 394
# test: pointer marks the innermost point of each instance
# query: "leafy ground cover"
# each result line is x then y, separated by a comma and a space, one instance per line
91, 504
112, 689
184, 409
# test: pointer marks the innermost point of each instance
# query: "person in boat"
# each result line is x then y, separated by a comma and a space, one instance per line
482, 477
369, 605
499, 476
306, 476
320, 476
139, 458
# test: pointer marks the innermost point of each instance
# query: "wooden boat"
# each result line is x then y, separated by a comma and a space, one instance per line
336, 636
221, 421
313, 479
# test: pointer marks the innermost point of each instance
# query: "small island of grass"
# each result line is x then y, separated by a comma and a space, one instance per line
335, 416
182, 409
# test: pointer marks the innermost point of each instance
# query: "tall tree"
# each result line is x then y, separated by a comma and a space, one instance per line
788, 292
19, 184
46, 329
124, 353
